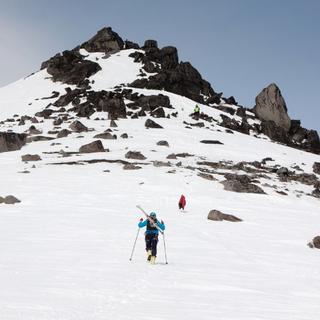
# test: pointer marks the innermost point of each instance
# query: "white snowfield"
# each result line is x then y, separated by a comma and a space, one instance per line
64, 250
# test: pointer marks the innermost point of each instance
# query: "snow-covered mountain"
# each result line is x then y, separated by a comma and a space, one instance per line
109, 125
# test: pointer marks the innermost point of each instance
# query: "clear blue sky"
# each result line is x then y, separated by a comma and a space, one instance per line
239, 46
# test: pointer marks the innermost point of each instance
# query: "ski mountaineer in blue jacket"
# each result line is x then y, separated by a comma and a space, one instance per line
151, 235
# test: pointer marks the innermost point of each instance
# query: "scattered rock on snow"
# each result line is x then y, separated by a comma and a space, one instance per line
151, 124
95, 146
106, 135
238, 186
131, 166
217, 215
10, 200
137, 155
207, 176
315, 243
211, 142
163, 143
63, 133
77, 126
30, 157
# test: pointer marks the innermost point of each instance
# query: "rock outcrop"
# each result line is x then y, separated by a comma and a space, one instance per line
270, 106
10, 141
105, 40
217, 215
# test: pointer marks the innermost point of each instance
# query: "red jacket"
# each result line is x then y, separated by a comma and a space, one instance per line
182, 201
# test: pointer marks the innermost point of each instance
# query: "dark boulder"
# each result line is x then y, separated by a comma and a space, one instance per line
71, 95
163, 143
63, 133
316, 167
217, 215
151, 124
46, 113
158, 113
77, 126
10, 200
137, 155
105, 40
10, 141
315, 243
230, 100
238, 186
106, 135
95, 146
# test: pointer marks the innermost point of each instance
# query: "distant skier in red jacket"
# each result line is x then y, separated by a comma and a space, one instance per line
182, 202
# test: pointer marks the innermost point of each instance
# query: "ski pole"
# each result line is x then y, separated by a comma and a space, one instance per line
165, 249
134, 245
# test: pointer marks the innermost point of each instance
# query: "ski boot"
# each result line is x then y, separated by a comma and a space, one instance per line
153, 260
148, 255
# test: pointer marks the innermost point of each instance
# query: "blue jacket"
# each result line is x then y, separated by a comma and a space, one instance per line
159, 224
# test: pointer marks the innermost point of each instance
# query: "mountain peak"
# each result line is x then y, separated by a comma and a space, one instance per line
105, 40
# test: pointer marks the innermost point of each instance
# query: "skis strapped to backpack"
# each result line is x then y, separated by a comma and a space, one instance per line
150, 219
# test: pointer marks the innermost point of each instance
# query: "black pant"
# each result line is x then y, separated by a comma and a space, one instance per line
151, 243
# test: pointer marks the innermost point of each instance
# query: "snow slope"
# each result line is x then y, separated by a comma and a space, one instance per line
65, 248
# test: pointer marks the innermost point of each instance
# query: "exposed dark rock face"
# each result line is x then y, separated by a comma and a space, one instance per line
10, 141
270, 106
115, 107
232, 124
68, 97
137, 155
184, 80
316, 167
30, 157
70, 67
217, 215
95, 146
105, 40
151, 124
274, 132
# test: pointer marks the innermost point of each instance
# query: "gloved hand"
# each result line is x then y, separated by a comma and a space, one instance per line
162, 222
141, 219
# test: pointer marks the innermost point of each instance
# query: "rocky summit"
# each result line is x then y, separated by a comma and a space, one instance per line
160, 69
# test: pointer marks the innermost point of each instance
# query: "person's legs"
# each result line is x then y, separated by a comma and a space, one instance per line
154, 243
148, 239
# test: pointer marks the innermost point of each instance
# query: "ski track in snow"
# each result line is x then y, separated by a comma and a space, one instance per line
65, 248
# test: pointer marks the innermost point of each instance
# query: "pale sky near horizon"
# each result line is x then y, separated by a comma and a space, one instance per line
239, 46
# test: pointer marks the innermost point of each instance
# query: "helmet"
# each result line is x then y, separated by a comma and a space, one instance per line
153, 215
